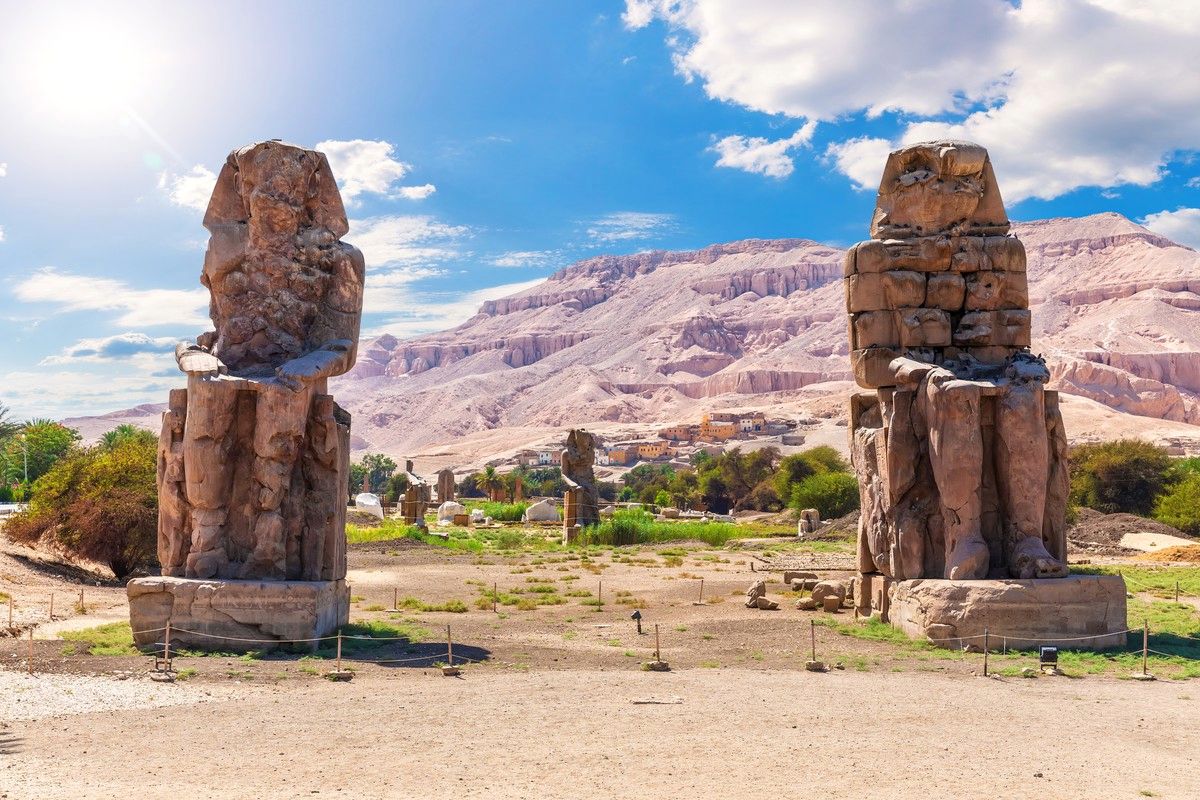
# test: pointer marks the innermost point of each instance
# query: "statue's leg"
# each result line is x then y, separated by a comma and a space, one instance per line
280, 422
1022, 472
207, 473
956, 455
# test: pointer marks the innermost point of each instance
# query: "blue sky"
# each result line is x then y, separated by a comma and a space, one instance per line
482, 145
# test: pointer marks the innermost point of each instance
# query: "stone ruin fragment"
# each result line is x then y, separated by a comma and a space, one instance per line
254, 454
581, 503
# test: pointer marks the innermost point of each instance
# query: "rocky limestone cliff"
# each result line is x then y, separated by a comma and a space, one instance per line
659, 336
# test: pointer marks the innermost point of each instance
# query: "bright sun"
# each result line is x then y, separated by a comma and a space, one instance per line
80, 70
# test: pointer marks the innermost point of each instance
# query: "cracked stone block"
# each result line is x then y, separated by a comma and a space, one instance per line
871, 367
975, 328
923, 327
885, 290
989, 290
1013, 327
945, 290
874, 329
221, 614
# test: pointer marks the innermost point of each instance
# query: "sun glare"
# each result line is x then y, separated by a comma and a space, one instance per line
80, 70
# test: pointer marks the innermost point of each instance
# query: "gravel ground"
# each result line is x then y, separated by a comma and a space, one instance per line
34, 697
547, 735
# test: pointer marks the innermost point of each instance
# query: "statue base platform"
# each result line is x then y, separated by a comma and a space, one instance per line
1079, 611
236, 615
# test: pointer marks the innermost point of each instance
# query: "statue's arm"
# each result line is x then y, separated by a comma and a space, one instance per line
333, 358
909, 371
194, 358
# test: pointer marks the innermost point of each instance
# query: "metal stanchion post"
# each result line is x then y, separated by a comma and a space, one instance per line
985, 652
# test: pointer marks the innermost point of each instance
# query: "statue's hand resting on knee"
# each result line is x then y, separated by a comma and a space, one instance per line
194, 359
331, 359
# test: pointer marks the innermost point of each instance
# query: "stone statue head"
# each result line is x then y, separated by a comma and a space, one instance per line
938, 188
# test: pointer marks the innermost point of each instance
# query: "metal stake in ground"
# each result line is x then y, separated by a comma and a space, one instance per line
82, 607
10, 610
657, 655
31, 651
813, 632
702, 591
395, 598
637, 617
449, 648
1145, 643
52, 606
985, 652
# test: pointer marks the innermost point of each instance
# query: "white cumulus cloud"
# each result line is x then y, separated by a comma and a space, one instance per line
122, 346
625, 226
527, 258
406, 239
364, 166
1063, 93
1181, 225
133, 307
762, 156
192, 189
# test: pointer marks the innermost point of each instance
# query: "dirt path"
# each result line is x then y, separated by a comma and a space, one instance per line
545, 735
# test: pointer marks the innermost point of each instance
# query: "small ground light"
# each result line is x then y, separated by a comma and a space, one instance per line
1048, 658
636, 616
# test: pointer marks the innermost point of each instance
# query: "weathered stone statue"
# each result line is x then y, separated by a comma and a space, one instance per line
959, 448
254, 454
581, 505
416, 497
445, 485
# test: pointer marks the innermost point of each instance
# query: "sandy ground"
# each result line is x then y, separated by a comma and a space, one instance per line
543, 735
1149, 542
548, 711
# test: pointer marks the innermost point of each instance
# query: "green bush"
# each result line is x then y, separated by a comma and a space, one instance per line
833, 494
635, 526
1180, 506
505, 512
1126, 475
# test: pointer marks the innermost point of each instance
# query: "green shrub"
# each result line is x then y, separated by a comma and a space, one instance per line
505, 512
1126, 475
833, 494
1180, 506
635, 526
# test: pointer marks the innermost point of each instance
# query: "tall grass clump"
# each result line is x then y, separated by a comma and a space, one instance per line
635, 526
505, 512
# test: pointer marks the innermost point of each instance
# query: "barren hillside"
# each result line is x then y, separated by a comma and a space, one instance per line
623, 343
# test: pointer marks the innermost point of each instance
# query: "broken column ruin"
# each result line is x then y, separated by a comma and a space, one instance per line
581, 503
254, 453
416, 497
445, 485
958, 446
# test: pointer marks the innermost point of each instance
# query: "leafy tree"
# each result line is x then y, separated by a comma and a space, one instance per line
98, 503
126, 432
395, 487
662, 498
792, 470
358, 474
379, 469
467, 487
43, 441
833, 494
825, 459
1180, 506
1126, 475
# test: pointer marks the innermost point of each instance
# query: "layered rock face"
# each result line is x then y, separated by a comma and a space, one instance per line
665, 336
254, 454
960, 452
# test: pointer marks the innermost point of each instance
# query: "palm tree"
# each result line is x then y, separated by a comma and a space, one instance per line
490, 481
7, 426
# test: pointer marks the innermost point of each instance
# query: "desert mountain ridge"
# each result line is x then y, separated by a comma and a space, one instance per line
625, 344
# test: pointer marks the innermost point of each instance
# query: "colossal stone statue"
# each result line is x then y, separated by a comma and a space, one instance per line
253, 457
956, 448
959, 449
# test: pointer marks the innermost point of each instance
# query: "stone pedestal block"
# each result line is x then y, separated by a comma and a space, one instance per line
218, 614
1021, 613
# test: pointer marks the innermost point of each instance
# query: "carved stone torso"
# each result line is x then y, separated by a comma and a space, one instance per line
282, 284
